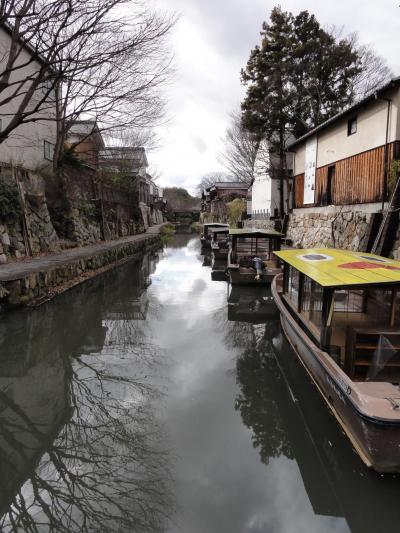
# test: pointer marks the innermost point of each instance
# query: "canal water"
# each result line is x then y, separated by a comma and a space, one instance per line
157, 399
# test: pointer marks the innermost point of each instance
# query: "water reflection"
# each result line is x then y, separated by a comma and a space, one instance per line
154, 388
260, 384
289, 419
251, 303
79, 442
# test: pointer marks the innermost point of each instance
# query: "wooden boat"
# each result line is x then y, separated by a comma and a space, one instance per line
205, 237
218, 270
220, 243
340, 311
251, 257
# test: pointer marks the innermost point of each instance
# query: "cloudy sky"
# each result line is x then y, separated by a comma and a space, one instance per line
212, 42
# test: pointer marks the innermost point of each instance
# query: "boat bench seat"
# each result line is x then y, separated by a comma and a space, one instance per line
246, 261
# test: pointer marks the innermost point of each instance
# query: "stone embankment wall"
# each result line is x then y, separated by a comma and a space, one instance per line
343, 229
44, 283
74, 209
32, 231
258, 224
86, 211
396, 246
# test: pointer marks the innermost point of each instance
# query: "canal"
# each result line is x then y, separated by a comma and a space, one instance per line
156, 399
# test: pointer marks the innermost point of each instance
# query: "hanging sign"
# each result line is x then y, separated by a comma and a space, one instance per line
310, 169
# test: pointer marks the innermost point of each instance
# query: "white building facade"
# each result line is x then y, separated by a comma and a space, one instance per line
30, 145
259, 202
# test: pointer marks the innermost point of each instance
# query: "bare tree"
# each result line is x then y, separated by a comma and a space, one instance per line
103, 60
86, 452
209, 179
374, 71
241, 150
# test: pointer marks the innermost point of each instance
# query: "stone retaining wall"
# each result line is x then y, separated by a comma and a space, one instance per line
342, 229
396, 246
258, 224
41, 235
43, 284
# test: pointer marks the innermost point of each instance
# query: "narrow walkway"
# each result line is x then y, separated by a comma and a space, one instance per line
21, 269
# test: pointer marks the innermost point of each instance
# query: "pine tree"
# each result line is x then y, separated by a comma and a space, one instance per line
298, 77
268, 105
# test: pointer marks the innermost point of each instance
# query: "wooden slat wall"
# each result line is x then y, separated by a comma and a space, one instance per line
299, 190
357, 180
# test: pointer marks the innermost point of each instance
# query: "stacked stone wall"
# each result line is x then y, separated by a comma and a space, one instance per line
45, 283
345, 228
395, 253
258, 224
93, 210
40, 236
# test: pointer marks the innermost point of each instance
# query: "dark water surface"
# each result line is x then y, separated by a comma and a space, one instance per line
155, 399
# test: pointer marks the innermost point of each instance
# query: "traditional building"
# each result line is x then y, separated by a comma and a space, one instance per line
264, 195
215, 198
132, 162
30, 145
86, 141
343, 171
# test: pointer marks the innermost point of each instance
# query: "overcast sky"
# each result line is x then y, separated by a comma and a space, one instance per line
212, 42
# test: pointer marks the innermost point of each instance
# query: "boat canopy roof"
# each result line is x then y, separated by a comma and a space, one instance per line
216, 224
220, 230
342, 268
255, 233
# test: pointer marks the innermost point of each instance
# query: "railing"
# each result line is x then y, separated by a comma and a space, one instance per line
261, 214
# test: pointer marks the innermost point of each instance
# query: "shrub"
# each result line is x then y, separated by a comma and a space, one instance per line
167, 232
235, 210
10, 204
87, 210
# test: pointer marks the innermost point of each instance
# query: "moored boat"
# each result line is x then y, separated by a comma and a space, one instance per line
251, 258
205, 236
220, 242
340, 311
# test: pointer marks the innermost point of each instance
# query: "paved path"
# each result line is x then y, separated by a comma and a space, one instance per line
21, 269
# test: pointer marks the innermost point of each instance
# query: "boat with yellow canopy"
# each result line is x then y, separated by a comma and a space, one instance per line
340, 311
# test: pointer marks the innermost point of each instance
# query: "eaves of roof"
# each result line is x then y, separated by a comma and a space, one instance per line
34, 53
393, 83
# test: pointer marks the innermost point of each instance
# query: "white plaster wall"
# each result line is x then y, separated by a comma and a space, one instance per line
261, 194
299, 159
261, 188
25, 146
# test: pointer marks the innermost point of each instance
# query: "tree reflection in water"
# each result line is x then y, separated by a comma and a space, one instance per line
261, 383
80, 448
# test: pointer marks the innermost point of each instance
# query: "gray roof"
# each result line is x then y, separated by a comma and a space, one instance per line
229, 185
395, 82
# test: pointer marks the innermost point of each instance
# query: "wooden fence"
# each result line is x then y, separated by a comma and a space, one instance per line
356, 180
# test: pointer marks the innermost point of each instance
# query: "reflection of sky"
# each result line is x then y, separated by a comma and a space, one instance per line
221, 485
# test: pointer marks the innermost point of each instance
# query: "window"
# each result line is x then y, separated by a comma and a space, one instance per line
352, 126
48, 151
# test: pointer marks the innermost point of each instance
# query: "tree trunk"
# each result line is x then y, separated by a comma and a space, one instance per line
60, 124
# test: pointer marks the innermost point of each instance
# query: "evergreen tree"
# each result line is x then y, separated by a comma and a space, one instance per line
323, 71
298, 77
268, 105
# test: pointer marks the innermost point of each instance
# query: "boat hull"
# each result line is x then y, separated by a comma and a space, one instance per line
220, 253
205, 244
376, 441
